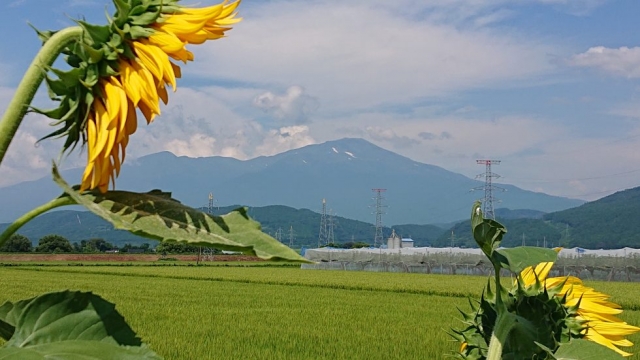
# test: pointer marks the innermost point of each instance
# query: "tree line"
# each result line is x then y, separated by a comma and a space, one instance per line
57, 244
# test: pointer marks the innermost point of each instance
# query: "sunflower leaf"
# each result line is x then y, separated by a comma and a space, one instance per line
156, 215
488, 233
69, 325
518, 258
580, 349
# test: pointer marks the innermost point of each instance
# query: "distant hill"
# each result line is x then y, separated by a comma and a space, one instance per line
83, 225
504, 213
342, 171
76, 226
535, 231
610, 222
306, 226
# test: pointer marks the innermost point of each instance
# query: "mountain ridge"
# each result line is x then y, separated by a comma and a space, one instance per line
342, 171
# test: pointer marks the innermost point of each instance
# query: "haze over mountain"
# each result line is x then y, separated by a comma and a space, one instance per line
344, 172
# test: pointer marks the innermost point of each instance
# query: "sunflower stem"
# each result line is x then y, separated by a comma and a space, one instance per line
504, 324
57, 202
31, 81
499, 304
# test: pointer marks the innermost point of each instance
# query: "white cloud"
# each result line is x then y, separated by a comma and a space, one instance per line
294, 106
623, 61
389, 135
198, 145
357, 55
285, 138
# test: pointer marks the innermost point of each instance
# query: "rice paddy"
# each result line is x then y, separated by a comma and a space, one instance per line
234, 312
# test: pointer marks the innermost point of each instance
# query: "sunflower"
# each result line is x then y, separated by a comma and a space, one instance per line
122, 68
594, 309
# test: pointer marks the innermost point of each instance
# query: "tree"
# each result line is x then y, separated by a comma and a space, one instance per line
54, 244
17, 243
96, 245
176, 248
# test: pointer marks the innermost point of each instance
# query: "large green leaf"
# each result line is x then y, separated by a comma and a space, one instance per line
580, 349
488, 233
78, 350
66, 315
519, 258
69, 325
157, 216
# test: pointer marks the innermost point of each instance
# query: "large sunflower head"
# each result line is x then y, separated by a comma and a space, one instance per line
593, 309
122, 68
560, 308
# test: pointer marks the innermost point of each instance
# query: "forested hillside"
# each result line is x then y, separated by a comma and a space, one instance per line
610, 222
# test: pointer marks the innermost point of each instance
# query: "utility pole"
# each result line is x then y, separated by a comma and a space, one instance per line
487, 203
322, 235
378, 237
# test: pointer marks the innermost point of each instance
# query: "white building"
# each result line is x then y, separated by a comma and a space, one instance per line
396, 242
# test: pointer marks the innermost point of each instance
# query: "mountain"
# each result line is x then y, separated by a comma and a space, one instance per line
343, 172
610, 222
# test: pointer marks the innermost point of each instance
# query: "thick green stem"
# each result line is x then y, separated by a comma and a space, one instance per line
57, 202
499, 305
504, 324
30, 82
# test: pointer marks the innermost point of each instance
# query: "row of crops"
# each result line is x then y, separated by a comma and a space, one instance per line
283, 313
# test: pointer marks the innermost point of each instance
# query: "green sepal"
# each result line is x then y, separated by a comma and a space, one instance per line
137, 32
123, 10
94, 55
99, 34
144, 19
42, 35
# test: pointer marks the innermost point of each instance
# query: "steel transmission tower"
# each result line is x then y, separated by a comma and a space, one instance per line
378, 239
489, 188
210, 208
279, 234
330, 226
291, 236
322, 235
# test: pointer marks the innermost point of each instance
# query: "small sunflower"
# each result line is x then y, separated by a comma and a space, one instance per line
124, 67
594, 309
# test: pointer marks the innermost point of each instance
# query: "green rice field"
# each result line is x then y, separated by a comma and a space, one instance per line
281, 312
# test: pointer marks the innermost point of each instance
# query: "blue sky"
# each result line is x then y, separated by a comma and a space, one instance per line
550, 87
